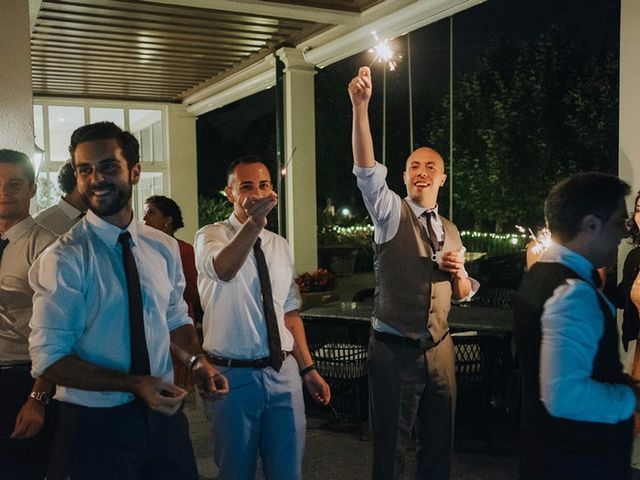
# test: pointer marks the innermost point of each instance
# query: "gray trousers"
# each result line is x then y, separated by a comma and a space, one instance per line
409, 388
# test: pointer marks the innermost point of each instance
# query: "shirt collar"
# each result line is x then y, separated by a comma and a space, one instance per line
419, 209
569, 258
19, 229
109, 233
68, 209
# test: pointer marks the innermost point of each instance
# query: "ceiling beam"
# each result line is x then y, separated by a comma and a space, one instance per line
391, 18
330, 16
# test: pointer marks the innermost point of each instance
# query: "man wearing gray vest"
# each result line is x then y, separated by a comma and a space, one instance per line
419, 268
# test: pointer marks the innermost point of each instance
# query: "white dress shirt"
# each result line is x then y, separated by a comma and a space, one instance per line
26, 241
80, 305
572, 326
384, 207
234, 325
59, 218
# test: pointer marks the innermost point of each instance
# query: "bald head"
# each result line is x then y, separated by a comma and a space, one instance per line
423, 176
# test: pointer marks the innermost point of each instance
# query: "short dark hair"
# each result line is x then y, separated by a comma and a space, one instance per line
67, 178
243, 160
582, 194
106, 131
632, 226
168, 207
23, 161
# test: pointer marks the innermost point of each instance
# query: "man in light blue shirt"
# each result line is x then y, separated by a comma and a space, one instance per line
103, 336
577, 402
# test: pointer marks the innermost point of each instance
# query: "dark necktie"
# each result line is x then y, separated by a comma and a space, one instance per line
3, 244
273, 335
433, 238
139, 352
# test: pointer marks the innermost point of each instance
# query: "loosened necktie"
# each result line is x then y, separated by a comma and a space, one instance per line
3, 244
273, 335
139, 352
433, 238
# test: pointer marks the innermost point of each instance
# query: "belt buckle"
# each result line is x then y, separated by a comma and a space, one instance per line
426, 343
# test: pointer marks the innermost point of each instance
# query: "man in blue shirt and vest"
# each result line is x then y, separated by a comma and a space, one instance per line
577, 403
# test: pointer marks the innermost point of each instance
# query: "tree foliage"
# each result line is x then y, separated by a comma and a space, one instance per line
525, 117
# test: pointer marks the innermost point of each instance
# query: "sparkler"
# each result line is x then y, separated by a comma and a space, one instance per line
384, 53
283, 172
542, 240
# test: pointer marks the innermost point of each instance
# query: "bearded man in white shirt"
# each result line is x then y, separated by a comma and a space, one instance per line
577, 403
254, 333
107, 307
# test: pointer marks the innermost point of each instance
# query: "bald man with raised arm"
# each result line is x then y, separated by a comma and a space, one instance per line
419, 269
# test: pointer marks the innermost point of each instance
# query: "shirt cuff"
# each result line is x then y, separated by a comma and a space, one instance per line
364, 172
475, 286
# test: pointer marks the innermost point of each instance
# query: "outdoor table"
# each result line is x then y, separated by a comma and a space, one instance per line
489, 320
338, 337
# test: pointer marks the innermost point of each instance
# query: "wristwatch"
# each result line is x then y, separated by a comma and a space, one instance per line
42, 398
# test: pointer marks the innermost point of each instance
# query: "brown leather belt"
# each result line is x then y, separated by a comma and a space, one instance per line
243, 363
423, 343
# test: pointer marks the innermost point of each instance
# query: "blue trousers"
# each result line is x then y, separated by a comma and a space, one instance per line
263, 413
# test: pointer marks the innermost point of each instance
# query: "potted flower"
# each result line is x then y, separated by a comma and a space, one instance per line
316, 287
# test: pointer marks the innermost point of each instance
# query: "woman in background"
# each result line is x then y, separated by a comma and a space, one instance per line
628, 297
164, 214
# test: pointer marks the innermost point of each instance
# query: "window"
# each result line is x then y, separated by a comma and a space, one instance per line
115, 115
54, 123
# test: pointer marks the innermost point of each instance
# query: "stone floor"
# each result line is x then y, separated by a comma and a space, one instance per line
343, 455
334, 455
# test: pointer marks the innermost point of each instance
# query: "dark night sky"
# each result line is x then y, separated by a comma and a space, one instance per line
248, 126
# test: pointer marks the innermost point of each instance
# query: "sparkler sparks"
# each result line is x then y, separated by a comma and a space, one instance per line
384, 53
542, 240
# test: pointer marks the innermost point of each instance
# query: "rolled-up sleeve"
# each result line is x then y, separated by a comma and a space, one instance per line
178, 311
59, 315
207, 243
572, 326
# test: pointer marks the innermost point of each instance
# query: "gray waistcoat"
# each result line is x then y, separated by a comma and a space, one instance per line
411, 292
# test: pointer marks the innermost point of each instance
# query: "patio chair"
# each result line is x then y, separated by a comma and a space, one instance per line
339, 349
477, 358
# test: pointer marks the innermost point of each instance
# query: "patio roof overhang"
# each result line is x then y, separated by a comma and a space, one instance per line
202, 53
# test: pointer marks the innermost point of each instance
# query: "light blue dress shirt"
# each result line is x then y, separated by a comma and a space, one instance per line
572, 326
80, 306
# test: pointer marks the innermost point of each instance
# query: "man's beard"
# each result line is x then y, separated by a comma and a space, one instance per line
112, 203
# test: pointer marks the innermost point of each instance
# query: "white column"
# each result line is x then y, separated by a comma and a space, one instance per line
183, 169
300, 179
16, 96
629, 140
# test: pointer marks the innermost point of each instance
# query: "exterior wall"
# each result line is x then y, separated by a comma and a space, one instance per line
629, 140
16, 109
183, 168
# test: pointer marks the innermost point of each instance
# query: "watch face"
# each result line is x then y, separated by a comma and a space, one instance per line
42, 397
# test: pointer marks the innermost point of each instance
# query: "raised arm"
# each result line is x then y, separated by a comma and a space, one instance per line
360, 89
228, 262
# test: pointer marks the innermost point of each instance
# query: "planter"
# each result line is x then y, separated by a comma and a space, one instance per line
315, 299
